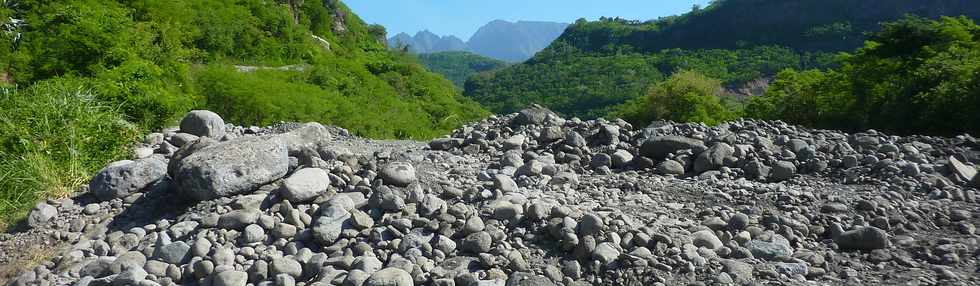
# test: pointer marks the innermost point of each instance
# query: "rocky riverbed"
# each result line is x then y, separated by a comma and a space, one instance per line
521, 199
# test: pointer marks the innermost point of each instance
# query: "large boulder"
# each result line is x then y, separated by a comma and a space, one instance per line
331, 222
305, 185
311, 136
533, 115
203, 123
126, 177
865, 238
390, 277
399, 174
714, 158
659, 147
232, 167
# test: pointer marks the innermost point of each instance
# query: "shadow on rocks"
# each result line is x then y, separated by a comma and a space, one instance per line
160, 201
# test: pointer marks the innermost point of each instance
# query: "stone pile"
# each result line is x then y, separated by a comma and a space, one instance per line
522, 199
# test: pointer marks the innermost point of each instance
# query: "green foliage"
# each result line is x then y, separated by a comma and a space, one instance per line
459, 66
686, 96
591, 84
914, 76
719, 41
53, 135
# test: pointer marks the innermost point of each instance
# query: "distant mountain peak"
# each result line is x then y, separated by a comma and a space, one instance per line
498, 39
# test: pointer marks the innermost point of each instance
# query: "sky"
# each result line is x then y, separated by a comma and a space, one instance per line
463, 17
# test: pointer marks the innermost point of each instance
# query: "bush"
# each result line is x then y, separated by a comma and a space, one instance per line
915, 76
686, 96
53, 136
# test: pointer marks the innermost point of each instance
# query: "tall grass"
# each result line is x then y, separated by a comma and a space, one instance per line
53, 136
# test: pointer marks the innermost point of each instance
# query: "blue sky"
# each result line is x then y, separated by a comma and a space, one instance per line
463, 17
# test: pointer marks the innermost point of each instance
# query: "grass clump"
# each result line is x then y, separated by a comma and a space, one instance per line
53, 136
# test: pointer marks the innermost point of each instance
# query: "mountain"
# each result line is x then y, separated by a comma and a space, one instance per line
501, 40
458, 66
514, 42
426, 42
594, 66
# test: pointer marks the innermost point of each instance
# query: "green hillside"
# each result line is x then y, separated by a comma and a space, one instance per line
128, 67
597, 65
458, 66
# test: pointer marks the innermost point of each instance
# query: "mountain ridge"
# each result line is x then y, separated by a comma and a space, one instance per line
498, 39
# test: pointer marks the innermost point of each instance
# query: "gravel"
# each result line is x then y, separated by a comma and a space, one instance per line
521, 199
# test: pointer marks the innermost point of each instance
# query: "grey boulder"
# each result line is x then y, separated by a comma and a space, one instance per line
232, 167
659, 147
305, 185
41, 214
399, 174
331, 222
203, 123
123, 178
865, 238
390, 277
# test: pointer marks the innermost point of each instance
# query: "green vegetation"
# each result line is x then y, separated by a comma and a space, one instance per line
459, 66
597, 65
53, 135
147, 62
914, 76
589, 85
686, 96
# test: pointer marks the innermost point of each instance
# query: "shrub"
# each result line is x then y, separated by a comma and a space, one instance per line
686, 96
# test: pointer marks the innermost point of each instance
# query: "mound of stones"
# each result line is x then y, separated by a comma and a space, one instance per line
522, 199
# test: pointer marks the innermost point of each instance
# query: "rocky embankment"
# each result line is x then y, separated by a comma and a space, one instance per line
521, 199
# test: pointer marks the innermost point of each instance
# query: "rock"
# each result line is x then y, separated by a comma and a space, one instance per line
769, 250
477, 243
399, 174
129, 277
390, 277
606, 253
738, 221
305, 185
504, 183
756, 170
238, 219
442, 144
203, 123
41, 214
308, 137
514, 142
286, 266
670, 167
230, 278
122, 178
575, 139
173, 253
865, 238
659, 147
707, 239
961, 170
621, 158
253, 233
714, 158
534, 115
232, 167
783, 170
590, 224
331, 222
